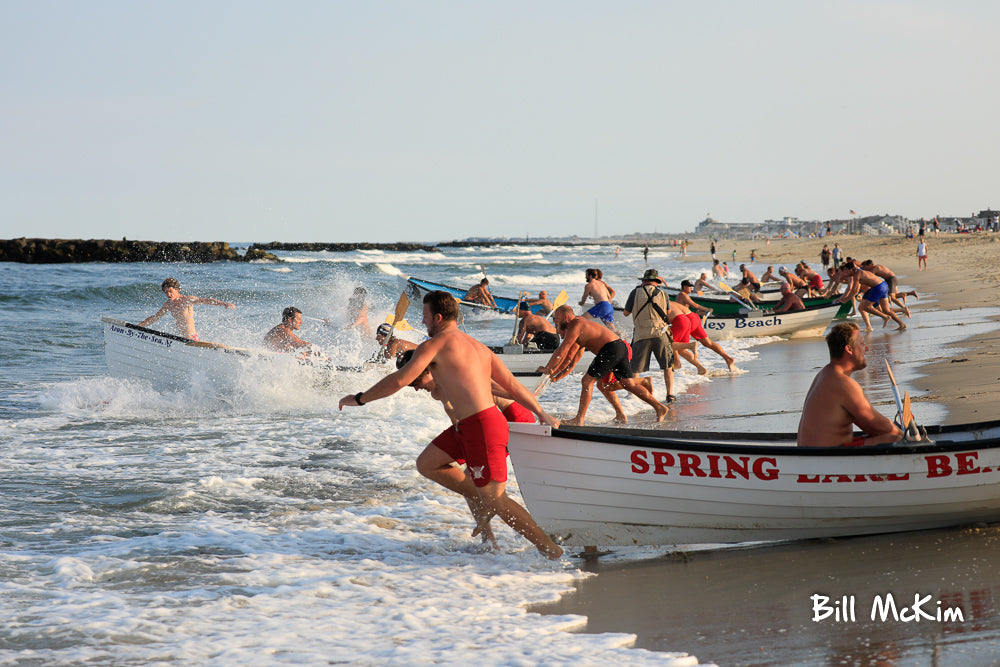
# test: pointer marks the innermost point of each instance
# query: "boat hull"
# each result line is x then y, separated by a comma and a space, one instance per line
591, 488
504, 304
766, 323
588, 487
172, 362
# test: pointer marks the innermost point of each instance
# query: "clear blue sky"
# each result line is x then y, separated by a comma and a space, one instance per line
409, 120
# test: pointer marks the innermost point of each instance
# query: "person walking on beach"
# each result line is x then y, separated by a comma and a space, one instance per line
824, 257
837, 255
282, 338
835, 402
181, 306
601, 293
612, 356
645, 254
922, 254
463, 369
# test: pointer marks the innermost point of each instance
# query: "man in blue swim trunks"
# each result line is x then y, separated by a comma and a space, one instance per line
875, 300
602, 294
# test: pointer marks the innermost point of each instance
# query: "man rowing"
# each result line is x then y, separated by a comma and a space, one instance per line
545, 306
612, 355
181, 306
463, 369
836, 402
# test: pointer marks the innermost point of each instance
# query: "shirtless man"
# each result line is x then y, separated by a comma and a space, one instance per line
602, 294
357, 312
181, 306
750, 277
481, 294
814, 281
536, 328
702, 284
685, 325
770, 276
875, 300
797, 284
883, 272
543, 301
684, 298
396, 346
836, 403
282, 338
612, 356
511, 410
717, 271
789, 301
463, 369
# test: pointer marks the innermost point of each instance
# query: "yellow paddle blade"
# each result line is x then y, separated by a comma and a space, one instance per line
560, 299
907, 414
401, 325
725, 288
401, 307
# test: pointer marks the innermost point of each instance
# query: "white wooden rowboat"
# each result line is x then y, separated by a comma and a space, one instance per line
749, 323
607, 486
174, 362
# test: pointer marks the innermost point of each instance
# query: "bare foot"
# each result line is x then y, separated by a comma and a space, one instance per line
900, 327
731, 363
621, 419
702, 370
572, 422
554, 552
661, 412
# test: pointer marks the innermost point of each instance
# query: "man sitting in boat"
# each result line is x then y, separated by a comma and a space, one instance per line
770, 276
181, 306
789, 302
836, 402
395, 346
612, 356
535, 328
543, 301
282, 337
481, 294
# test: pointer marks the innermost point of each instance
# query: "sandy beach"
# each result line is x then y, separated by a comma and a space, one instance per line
961, 273
751, 606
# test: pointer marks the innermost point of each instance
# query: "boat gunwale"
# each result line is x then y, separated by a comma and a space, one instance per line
710, 441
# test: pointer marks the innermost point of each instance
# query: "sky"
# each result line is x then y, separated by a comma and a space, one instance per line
410, 120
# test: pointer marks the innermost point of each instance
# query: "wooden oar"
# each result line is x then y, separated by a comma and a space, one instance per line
733, 295
517, 309
911, 430
542, 385
561, 298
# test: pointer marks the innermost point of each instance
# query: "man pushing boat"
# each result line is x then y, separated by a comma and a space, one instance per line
612, 356
463, 369
836, 402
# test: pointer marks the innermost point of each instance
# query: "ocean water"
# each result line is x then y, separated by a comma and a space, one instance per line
261, 526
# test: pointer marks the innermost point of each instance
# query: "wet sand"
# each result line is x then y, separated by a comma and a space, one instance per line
752, 606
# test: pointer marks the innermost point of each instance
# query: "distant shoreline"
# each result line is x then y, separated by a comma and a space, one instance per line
66, 251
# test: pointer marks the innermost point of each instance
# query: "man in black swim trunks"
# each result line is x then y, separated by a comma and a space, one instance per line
535, 328
612, 356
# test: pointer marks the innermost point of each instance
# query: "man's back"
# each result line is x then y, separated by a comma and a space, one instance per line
590, 334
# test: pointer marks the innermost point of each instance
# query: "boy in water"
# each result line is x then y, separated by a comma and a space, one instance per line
181, 306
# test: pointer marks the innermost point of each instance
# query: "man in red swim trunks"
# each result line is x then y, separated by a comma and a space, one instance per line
685, 325
463, 368
836, 402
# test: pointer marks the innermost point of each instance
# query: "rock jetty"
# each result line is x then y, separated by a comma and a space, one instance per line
62, 251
